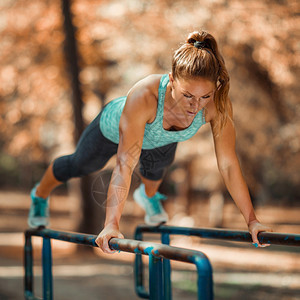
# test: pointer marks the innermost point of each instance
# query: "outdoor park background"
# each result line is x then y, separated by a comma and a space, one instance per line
49, 91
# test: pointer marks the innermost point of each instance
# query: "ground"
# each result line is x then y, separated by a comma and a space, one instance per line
240, 270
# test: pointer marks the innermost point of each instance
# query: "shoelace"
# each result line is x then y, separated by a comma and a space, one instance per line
155, 205
160, 197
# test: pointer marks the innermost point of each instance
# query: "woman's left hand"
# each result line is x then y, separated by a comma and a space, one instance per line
254, 228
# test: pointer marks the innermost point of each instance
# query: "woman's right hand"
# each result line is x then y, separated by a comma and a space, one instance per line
109, 231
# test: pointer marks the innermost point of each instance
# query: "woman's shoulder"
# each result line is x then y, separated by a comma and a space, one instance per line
148, 85
146, 90
211, 111
143, 96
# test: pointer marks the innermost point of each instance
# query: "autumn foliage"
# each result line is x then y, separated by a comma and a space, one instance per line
120, 42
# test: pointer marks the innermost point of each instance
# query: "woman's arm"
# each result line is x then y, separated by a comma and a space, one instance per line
230, 170
137, 112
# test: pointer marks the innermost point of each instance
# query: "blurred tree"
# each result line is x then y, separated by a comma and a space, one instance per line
92, 215
119, 42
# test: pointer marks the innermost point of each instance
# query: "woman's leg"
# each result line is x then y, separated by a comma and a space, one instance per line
153, 164
92, 153
151, 186
39, 209
47, 183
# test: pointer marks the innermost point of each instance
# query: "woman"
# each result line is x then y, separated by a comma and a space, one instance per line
158, 112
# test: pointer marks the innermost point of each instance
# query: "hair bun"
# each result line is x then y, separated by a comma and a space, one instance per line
199, 40
191, 41
200, 45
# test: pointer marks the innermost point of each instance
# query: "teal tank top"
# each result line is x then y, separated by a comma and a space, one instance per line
155, 135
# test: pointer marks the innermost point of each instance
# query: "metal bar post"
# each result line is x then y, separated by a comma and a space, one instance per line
47, 269
165, 239
28, 266
205, 279
155, 278
139, 271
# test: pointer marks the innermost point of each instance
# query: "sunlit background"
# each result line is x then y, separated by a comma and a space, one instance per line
118, 43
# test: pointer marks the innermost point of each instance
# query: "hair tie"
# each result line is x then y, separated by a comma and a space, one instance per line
200, 45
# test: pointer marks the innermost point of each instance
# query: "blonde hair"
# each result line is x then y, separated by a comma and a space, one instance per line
199, 56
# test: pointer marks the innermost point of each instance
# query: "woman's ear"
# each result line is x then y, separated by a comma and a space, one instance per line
171, 78
219, 84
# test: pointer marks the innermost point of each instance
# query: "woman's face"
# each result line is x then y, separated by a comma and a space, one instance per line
191, 95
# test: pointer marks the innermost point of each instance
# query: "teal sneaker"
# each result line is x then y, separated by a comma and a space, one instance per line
39, 211
155, 214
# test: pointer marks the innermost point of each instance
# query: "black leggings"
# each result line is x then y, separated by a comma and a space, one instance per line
94, 150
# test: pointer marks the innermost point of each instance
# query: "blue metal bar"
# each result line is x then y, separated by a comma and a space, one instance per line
139, 273
155, 278
204, 282
156, 251
175, 253
72, 237
232, 235
139, 277
286, 239
28, 266
165, 239
47, 269
191, 256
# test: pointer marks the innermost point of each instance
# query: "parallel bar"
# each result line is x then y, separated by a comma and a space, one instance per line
28, 266
155, 278
224, 234
139, 273
185, 255
233, 235
204, 282
165, 239
72, 237
139, 277
139, 283
127, 245
155, 251
47, 269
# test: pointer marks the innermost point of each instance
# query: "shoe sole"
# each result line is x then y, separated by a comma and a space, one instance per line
153, 223
37, 222
137, 200
32, 225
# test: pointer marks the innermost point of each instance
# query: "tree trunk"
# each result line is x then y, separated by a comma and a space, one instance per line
92, 217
